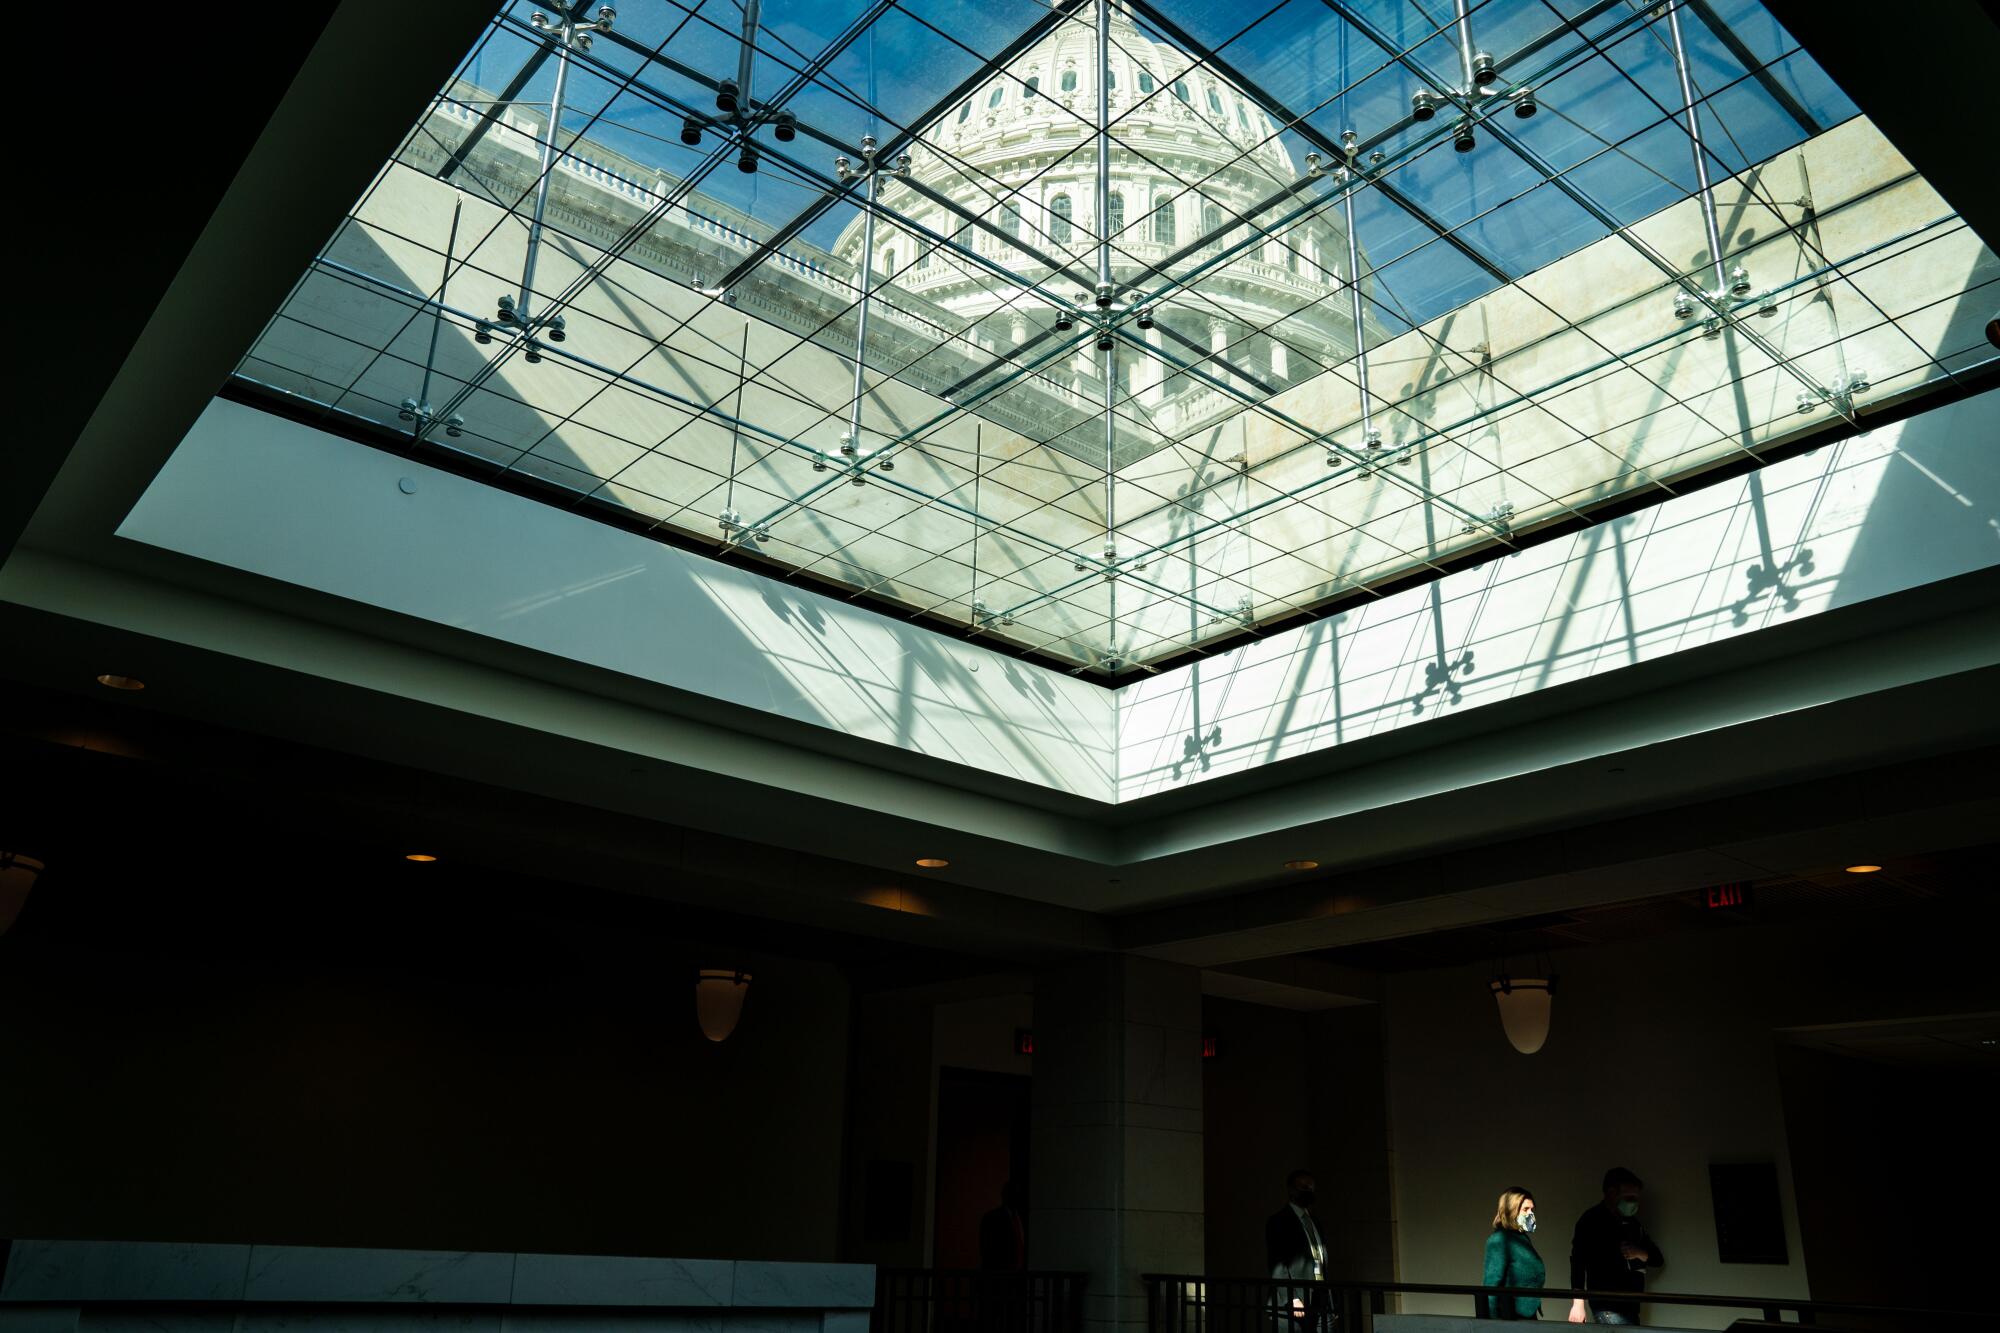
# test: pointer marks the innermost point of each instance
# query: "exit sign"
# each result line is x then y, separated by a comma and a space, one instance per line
1726, 897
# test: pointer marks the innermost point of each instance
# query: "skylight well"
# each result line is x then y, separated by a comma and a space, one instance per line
1108, 332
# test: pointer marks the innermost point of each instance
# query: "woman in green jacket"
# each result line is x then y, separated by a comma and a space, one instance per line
1511, 1260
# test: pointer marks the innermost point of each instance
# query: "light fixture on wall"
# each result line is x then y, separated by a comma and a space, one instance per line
18, 873
718, 1000
1524, 1009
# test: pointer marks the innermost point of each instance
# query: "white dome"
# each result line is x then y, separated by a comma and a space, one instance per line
1190, 155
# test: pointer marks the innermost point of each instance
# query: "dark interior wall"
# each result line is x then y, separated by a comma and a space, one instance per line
1290, 1089
251, 1047
1348, 1140
1254, 1116
889, 1133
1664, 1056
1885, 1216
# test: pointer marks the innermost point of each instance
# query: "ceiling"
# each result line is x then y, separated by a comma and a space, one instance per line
1415, 831
1912, 883
1957, 1041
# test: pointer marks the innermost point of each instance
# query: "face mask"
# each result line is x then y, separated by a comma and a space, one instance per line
1628, 1207
1527, 1222
1304, 1198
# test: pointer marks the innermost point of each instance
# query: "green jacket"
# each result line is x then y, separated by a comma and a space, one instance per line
1511, 1261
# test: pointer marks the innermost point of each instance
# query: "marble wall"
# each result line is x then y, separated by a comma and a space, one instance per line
1117, 1130
64, 1286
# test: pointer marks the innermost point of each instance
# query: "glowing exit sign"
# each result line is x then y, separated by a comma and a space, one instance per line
1726, 897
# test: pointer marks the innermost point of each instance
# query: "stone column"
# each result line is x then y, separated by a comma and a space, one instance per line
1218, 340
1149, 371
1116, 1160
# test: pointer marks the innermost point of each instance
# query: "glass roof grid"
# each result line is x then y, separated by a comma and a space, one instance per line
905, 135
1265, 407
1430, 224
1235, 79
1583, 199
607, 443
1181, 530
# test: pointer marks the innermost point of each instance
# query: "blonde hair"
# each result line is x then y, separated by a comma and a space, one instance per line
1507, 1217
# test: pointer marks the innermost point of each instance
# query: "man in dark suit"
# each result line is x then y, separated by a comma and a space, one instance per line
1003, 1234
1295, 1252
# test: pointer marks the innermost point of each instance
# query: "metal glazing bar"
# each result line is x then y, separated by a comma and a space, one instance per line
896, 142
1693, 115
1813, 277
1565, 25
1478, 115
1263, 408
491, 115
1298, 124
713, 413
950, 205
1221, 358
834, 190
1770, 83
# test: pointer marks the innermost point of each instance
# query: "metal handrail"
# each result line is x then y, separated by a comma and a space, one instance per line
1771, 1306
977, 1300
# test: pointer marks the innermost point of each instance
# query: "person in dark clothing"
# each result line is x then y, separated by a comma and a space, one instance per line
1294, 1252
1511, 1260
1003, 1234
1611, 1251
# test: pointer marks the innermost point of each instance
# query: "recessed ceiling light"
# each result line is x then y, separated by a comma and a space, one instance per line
932, 862
1862, 870
1302, 865
418, 856
121, 682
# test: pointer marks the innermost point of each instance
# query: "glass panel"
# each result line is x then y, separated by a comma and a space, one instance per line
847, 316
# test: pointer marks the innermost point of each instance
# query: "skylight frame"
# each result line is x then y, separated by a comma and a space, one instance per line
1074, 622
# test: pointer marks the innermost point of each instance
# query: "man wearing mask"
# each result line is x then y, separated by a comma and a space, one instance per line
1295, 1253
1611, 1251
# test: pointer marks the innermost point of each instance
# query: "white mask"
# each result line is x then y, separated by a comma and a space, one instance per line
1528, 1221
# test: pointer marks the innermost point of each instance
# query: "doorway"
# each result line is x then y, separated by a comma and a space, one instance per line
982, 1144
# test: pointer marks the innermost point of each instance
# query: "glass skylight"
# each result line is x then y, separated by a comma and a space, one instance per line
1388, 283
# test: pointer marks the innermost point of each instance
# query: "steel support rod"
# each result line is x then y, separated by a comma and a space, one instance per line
1110, 451
1370, 437
1104, 157
1111, 497
437, 317
1700, 153
559, 34
853, 447
1464, 25
746, 57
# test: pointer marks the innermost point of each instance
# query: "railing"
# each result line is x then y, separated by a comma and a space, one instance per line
1193, 1304
943, 1300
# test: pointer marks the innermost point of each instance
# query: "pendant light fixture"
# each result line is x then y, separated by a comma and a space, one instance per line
718, 1000
1524, 1009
